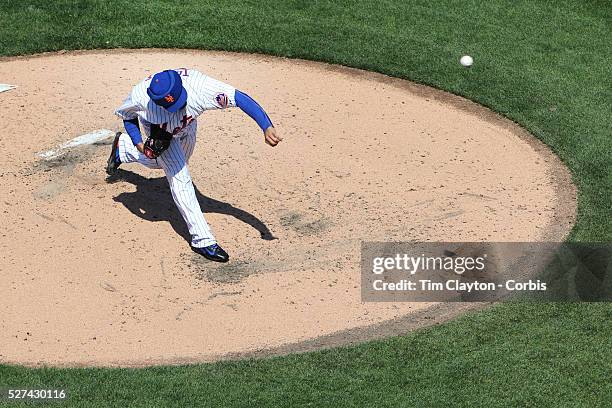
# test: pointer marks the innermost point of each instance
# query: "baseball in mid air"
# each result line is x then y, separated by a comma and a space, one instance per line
466, 61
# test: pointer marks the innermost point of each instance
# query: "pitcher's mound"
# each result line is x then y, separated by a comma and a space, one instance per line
97, 273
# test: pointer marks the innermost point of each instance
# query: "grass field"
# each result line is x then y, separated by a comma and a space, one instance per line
541, 63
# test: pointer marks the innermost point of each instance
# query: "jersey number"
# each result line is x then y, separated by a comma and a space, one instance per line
181, 71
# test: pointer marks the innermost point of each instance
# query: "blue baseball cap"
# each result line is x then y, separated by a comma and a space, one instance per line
166, 90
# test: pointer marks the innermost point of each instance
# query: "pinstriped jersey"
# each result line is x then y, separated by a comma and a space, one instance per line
203, 93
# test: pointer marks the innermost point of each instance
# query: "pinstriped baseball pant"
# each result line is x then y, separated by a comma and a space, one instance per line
174, 163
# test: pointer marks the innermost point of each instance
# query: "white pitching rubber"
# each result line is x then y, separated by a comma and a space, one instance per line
86, 139
6, 87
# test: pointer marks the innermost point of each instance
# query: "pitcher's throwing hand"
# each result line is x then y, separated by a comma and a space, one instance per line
271, 136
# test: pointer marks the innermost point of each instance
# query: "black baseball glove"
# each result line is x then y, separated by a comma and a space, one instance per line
157, 143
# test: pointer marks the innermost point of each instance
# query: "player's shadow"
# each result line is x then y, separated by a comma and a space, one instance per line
153, 201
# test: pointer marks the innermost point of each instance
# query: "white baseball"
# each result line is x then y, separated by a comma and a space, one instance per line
466, 61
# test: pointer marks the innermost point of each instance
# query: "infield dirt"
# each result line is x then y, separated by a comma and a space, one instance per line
97, 273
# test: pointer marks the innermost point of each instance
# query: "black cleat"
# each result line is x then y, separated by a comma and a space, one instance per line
212, 252
113, 163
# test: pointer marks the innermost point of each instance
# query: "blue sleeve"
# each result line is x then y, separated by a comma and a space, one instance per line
252, 108
133, 130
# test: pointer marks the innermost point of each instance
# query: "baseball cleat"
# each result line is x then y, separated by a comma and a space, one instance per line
113, 162
212, 252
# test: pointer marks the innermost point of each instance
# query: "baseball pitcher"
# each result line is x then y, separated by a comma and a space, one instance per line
166, 105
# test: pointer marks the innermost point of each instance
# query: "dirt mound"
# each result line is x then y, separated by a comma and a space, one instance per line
101, 274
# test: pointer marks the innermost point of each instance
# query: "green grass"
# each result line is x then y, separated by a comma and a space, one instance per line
544, 64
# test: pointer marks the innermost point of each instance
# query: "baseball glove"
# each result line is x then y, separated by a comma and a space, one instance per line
157, 143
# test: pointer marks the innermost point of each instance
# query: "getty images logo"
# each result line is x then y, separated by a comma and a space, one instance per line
413, 264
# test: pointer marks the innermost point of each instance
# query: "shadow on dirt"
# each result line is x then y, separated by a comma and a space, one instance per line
152, 201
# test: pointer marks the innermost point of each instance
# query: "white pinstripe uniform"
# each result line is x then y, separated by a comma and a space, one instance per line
203, 93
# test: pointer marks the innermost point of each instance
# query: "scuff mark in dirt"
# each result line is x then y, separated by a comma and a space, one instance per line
235, 271
304, 225
60, 168
68, 158
231, 272
108, 287
65, 221
180, 314
49, 190
57, 178
60, 219
481, 196
231, 306
46, 217
216, 294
